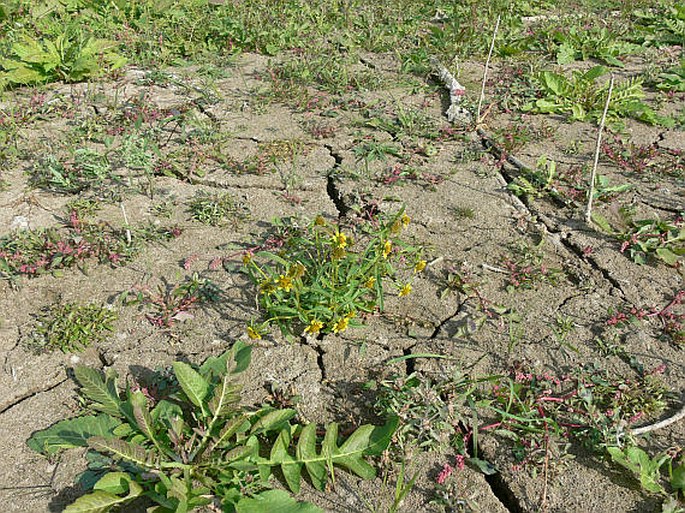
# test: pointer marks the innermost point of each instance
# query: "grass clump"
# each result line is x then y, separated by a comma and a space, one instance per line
318, 279
71, 327
215, 209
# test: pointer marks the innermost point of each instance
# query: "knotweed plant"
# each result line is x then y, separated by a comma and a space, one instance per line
322, 277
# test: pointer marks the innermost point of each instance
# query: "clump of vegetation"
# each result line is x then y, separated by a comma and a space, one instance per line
195, 445
216, 209
71, 327
655, 238
320, 278
580, 97
36, 252
88, 169
526, 270
175, 302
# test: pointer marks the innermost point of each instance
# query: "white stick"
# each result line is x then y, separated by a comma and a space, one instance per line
128, 231
485, 71
662, 424
593, 176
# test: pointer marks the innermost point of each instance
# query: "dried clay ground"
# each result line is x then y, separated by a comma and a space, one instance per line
278, 158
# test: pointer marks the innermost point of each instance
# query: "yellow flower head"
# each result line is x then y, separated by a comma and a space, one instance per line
341, 325
387, 248
405, 219
420, 266
284, 283
253, 333
340, 239
405, 290
315, 326
370, 283
247, 258
338, 253
319, 221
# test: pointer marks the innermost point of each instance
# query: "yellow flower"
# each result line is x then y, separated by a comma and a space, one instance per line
370, 283
253, 333
341, 325
405, 290
405, 219
314, 326
319, 221
420, 266
284, 283
247, 258
387, 248
338, 253
340, 239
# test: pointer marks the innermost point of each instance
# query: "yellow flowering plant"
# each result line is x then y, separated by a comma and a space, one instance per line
321, 275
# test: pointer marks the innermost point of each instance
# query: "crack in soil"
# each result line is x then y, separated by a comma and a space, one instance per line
32, 392
437, 329
319, 360
331, 188
501, 489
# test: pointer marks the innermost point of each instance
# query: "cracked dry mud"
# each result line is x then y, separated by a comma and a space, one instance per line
327, 177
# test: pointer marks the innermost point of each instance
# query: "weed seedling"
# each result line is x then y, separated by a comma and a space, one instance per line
71, 327
173, 303
216, 209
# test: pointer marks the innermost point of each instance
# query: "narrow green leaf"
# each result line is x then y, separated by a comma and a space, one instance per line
678, 478
114, 482
292, 471
273, 421
96, 502
192, 383
306, 452
226, 396
71, 433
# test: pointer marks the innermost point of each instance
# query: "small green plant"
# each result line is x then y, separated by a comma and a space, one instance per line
655, 238
72, 56
194, 444
526, 269
581, 44
88, 169
672, 79
649, 469
216, 209
174, 302
71, 327
580, 97
318, 279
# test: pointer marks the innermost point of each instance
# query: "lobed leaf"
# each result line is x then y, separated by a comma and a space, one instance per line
192, 383
103, 392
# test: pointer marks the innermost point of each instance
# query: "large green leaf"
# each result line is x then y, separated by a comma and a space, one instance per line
123, 450
71, 433
272, 421
192, 383
103, 392
275, 500
107, 494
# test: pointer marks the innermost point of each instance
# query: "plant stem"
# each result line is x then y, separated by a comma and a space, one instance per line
593, 176
485, 71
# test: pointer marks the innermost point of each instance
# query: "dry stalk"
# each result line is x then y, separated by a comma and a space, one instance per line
485, 71
593, 176
128, 231
680, 414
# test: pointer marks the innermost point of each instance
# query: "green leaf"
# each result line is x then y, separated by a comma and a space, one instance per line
275, 500
114, 482
71, 433
192, 383
272, 421
566, 54
678, 478
103, 392
306, 452
226, 397
292, 470
667, 256
96, 502
120, 449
